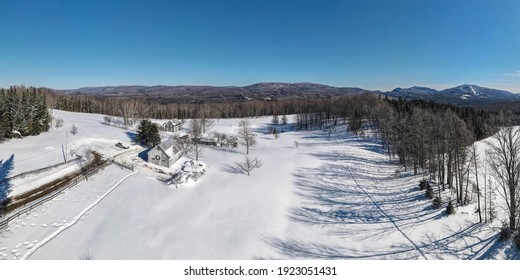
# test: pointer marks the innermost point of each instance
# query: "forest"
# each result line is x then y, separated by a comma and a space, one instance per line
23, 111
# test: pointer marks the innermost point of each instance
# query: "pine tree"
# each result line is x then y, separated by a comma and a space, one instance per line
147, 134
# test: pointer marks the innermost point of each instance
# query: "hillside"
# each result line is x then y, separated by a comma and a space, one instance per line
328, 197
464, 95
214, 94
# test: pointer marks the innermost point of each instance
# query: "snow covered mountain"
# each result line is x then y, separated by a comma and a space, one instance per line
460, 95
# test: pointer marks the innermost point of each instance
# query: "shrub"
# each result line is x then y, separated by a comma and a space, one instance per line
516, 240
450, 209
429, 191
422, 184
505, 233
437, 203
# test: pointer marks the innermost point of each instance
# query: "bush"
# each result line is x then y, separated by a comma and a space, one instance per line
429, 191
505, 233
422, 184
450, 209
437, 203
516, 240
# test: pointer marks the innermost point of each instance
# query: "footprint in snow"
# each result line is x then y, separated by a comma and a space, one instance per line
14, 251
35, 241
44, 225
75, 200
29, 246
43, 210
24, 224
35, 215
33, 225
84, 200
28, 218
26, 243
3, 248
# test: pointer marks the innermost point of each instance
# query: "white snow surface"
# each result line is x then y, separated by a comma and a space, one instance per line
332, 197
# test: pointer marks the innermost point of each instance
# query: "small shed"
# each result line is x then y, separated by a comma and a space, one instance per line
166, 153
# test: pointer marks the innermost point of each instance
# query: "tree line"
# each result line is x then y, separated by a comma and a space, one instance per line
23, 111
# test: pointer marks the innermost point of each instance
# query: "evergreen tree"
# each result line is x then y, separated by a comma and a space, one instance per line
147, 134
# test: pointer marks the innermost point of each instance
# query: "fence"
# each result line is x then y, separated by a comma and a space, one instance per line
38, 202
21, 175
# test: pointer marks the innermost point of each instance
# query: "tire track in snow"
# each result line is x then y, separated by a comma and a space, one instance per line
385, 214
73, 222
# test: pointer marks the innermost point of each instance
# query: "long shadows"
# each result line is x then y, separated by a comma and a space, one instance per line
6, 167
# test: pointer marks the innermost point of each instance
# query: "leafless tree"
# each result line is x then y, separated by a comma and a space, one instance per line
504, 162
248, 165
284, 120
85, 163
74, 129
128, 110
195, 128
196, 149
207, 124
246, 135
71, 151
107, 119
58, 123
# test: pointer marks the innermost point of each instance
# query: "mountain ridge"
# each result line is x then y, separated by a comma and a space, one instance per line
466, 94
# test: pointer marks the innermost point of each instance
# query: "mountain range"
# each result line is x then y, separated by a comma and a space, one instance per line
460, 95
471, 95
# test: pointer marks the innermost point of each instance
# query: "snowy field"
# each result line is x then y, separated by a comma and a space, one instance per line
329, 198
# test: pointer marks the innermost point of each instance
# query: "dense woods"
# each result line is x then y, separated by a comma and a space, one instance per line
23, 111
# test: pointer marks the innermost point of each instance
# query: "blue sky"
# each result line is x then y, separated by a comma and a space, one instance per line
374, 44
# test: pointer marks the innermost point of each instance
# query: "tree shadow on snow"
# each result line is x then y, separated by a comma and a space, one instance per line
298, 249
6, 167
131, 135
229, 168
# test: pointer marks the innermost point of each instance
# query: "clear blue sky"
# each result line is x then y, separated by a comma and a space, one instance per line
374, 44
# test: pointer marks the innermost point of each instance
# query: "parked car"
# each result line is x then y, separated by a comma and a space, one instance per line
120, 145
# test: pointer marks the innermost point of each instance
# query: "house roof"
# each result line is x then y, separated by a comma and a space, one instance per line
170, 147
173, 122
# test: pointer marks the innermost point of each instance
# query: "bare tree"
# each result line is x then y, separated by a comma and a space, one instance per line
284, 120
58, 123
107, 119
196, 149
504, 162
207, 124
246, 135
74, 129
248, 165
85, 163
128, 110
195, 128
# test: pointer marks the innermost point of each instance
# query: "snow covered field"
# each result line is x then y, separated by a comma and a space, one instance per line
329, 198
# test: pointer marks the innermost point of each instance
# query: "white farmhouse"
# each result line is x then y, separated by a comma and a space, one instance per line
172, 125
166, 153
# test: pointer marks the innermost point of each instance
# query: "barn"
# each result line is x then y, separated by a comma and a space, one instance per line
166, 153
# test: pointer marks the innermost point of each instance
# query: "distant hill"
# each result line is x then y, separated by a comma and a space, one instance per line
465, 95
208, 94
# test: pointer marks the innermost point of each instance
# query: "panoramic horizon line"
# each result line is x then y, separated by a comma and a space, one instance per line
437, 88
